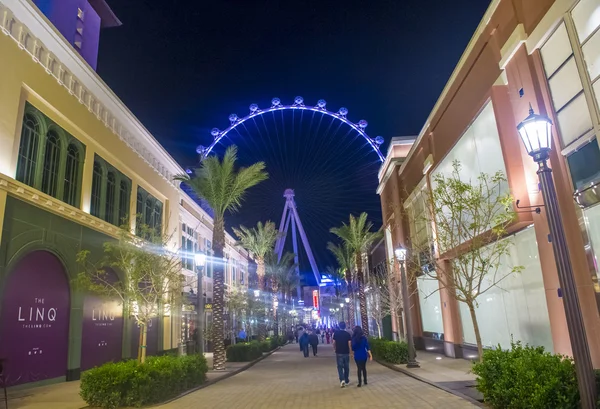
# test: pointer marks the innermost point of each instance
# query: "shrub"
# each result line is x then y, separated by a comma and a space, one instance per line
264, 346
526, 377
389, 351
244, 352
276, 342
130, 383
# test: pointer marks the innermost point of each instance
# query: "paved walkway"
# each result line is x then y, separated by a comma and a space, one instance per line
288, 380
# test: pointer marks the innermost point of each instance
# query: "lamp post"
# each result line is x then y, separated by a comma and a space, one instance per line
412, 353
536, 134
200, 261
342, 307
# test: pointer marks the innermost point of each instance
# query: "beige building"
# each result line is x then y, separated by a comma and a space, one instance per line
74, 162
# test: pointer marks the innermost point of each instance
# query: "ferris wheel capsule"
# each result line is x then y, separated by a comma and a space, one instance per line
215, 132
298, 100
343, 111
362, 124
275, 102
233, 118
321, 103
200, 150
379, 140
253, 108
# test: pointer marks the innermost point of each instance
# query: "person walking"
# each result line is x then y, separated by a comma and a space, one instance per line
362, 351
342, 346
328, 336
242, 336
304, 342
299, 335
313, 339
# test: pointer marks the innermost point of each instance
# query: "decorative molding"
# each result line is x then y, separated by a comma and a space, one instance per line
33, 196
509, 49
33, 33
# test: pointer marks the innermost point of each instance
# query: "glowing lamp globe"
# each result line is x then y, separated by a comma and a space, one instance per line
200, 259
536, 133
400, 253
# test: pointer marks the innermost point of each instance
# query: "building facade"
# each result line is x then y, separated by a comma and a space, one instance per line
74, 163
538, 52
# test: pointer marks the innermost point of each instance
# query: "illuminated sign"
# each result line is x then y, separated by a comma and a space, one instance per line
316, 299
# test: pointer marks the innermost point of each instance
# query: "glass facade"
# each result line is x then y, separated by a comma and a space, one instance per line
515, 308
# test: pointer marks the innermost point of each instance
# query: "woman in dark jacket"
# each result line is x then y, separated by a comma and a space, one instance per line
362, 351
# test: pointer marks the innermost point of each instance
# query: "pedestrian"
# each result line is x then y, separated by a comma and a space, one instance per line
242, 336
304, 342
313, 339
362, 351
328, 336
299, 334
322, 336
342, 346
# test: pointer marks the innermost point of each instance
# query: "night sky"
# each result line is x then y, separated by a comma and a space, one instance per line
183, 66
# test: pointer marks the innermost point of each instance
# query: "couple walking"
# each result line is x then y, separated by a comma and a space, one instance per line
346, 345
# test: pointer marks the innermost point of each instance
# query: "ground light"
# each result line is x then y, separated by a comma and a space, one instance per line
412, 353
536, 134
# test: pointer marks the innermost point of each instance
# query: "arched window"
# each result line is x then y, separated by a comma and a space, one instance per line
28, 150
51, 164
72, 176
157, 217
123, 202
109, 205
96, 190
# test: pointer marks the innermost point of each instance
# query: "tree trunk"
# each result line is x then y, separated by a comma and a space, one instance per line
476, 329
260, 272
218, 294
140, 343
361, 295
144, 334
275, 317
350, 306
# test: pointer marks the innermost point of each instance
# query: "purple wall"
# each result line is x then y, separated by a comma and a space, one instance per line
102, 330
151, 341
63, 14
34, 320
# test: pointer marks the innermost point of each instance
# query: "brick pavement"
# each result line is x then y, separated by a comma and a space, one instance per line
288, 380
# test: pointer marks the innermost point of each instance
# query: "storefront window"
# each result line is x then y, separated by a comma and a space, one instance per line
516, 308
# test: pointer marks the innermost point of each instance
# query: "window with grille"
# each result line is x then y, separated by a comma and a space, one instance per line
149, 210
72, 182
51, 164
109, 203
97, 178
123, 202
28, 150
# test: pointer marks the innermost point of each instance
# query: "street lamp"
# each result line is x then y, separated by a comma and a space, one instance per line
536, 133
347, 299
256, 293
400, 253
200, 261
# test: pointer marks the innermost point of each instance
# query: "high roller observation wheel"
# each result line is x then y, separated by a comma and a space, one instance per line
298, 104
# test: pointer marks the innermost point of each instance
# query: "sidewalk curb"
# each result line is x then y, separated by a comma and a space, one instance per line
427, 381
221, 378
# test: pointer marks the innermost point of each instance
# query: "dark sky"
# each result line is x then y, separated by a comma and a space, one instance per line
183, 66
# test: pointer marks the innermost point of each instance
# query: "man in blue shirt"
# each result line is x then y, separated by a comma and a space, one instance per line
342, 345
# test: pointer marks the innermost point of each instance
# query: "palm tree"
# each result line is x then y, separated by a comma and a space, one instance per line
357, 235
345, 259
259, 241
280, 273
223, 187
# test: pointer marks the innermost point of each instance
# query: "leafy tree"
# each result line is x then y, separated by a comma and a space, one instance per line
259, 241
470, 219
281, 274
151, 275
223, 187
357, 235
346, 262
236, 300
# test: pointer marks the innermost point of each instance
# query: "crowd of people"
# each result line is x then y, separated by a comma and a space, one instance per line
346, 344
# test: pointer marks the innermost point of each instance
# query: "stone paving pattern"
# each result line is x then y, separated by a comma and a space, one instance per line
288, 380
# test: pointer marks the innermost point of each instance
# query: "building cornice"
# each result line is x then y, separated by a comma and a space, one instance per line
39, 199
34, 34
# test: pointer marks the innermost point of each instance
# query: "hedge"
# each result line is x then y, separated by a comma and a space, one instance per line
129, 383
244, 352
527, 377
389, 351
